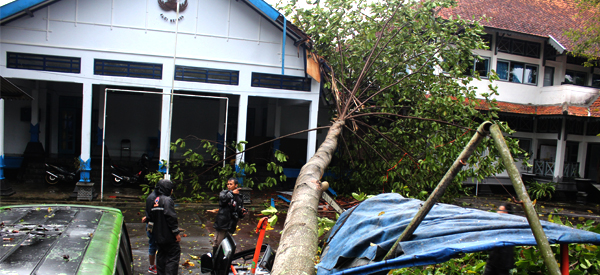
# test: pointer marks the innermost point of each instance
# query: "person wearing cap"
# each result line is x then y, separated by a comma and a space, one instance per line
165, 229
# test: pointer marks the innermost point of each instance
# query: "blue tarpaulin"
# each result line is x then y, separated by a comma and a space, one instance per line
364, 234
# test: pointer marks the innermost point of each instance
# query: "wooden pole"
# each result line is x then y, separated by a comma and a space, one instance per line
461, 161
532, 217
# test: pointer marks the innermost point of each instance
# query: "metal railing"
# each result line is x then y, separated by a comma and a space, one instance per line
546, 168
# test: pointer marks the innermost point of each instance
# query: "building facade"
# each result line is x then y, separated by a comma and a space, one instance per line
548, 96
133, 76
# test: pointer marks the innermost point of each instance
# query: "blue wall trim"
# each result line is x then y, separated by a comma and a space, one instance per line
34, 130
99, 136
162, 167
2, 167
17, 6
85, 166
242, 174
265, 8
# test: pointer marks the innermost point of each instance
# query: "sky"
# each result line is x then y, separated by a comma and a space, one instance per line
2, 2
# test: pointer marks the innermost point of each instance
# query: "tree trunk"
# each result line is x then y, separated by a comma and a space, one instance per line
298, 244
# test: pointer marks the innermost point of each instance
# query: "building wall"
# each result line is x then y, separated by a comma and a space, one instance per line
219, 34
536, 94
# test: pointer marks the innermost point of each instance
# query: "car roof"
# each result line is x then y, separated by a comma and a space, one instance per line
59, 239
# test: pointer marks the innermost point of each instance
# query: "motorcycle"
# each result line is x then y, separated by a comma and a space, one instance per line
55, 174
126, 175
252, 261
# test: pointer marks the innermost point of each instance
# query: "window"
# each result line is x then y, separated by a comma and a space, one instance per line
593, 128
206, 75
38, 62
549, 124
518, 47
127, 69
574, 77
550, 52
596, 81
575, 126
517, 72
525, 145
518, 123
277, 81
480, 67
548, 76
487, 39
576, 60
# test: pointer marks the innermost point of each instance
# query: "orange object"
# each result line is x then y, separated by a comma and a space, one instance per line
564, 256
233, 270
262, 227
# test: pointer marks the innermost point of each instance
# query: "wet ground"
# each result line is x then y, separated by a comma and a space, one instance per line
197, 223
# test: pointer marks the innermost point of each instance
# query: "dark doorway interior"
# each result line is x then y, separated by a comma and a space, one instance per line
69, 126
592, 168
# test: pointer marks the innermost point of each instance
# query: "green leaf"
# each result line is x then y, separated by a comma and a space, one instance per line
269, 211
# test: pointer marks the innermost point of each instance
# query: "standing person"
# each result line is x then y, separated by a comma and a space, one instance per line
502, 259
152, 247
231, 209
165, 229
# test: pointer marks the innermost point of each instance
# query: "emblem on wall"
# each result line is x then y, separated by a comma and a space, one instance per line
171, 5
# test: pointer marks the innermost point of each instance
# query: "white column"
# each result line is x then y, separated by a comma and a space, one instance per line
241, 126
534, 152
101, 92
222, 109
165, 131
561, 145
2, 116
313, 115
581, 157
86, 133
34, 128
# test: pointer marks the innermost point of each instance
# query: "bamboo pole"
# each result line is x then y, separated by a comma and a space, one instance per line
532, 217
461, 161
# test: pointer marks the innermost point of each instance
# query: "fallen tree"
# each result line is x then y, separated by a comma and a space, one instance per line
396, 79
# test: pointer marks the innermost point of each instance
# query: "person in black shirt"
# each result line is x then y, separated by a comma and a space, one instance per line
231, 209
165, 229
152, 247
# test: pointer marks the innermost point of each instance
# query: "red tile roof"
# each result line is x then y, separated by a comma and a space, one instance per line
535, 17
527, 109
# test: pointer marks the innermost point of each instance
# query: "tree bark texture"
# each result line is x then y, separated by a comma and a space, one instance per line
298, 244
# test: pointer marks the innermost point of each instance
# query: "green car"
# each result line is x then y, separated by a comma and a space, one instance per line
64, 239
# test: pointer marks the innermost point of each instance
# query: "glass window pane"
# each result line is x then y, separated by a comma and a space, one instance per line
579, 78
482, 66
596, 81
502, 70
548, 76
569, 77
516, 72
530, 74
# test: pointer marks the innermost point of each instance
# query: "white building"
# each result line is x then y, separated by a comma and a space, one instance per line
545, 94
147, 72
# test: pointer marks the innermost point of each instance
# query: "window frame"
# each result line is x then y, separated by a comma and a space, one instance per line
551, 77
473, 67
510, 68
575, 74
596, 79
